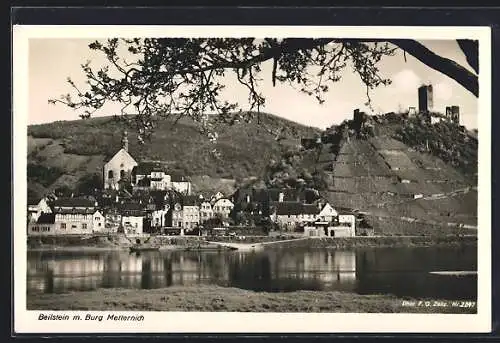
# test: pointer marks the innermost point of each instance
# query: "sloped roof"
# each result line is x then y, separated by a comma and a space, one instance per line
145, 168
74, 202
46, 218
132, 209
121, 150
294, 208
78, 210
178, 178
131, 206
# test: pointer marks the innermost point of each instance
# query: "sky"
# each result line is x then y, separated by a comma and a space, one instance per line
52, 61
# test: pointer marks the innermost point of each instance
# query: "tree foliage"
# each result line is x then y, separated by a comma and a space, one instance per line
183, 77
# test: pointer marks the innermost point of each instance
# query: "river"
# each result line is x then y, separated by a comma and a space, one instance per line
403, 272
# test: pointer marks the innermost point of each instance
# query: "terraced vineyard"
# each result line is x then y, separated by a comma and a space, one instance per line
400, 190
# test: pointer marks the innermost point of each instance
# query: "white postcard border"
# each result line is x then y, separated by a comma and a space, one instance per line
200, 322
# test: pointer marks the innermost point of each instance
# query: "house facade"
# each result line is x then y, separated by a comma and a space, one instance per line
206, 211
132, 219
152, 176
290, 214
43, 226
36, 208
74, 216
222, 207
98, 222
327, 213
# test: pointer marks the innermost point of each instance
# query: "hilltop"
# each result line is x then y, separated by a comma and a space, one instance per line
65, 152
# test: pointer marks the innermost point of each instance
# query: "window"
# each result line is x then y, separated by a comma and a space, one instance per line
99, 224
73, 226
122, 174
84, 226
96, 218
63, 225
110, 174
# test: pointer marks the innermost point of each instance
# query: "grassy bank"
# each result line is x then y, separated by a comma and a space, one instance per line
215, 298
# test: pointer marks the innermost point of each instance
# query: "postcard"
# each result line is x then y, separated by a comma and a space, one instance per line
253, 179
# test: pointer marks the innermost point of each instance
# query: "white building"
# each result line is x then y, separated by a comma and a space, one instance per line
36, 207
190, 212
222, 207
206, 211
327, 213
119, 167
151, 175
99, 222
177, 216
74, 216
44, 225
132, 219
290, 214
347, 220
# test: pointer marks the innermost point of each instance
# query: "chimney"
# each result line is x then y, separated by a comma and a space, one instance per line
248, 198
125, 141
281, 197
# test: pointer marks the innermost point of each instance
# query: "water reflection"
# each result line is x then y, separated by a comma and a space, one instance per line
400, 272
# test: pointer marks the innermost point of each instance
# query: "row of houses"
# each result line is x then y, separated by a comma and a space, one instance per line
160, 211
132, 216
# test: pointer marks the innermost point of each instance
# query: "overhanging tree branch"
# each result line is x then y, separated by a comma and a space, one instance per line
446, 66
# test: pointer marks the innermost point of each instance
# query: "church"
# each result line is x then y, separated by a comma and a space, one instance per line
119, 168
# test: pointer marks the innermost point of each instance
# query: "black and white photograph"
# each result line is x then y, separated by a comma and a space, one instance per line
189, 171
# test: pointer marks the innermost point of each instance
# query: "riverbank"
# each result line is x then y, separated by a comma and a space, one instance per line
200, 243
209, 298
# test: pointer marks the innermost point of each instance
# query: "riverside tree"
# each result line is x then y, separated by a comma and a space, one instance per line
179, 77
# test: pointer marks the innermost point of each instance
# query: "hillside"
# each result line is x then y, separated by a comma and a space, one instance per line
61, 153
404, 175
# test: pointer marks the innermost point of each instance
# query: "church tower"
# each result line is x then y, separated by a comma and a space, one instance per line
125, 141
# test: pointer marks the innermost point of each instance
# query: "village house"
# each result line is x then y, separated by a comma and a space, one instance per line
43, 226
222, 208
132, 218
151, 175
339, 222
206, 211
98, 222
177, 215
327, 213
36, 207
74, 216
112, 220
291, 214
216, 196
190, 212
118, 170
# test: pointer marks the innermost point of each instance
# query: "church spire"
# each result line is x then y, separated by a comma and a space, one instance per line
125, 141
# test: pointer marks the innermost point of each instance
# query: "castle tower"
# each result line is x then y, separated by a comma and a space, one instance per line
425, 99
125, 141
